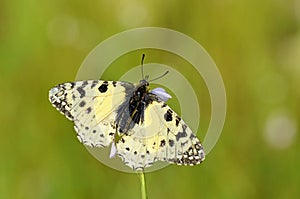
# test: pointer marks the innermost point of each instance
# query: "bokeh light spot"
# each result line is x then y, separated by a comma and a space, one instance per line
280, 130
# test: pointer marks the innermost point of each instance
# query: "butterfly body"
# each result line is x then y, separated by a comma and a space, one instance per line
137, 121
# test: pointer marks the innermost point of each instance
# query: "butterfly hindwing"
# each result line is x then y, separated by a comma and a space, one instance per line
169, 139
92, 106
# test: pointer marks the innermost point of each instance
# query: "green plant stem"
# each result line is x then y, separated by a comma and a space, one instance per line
143, 185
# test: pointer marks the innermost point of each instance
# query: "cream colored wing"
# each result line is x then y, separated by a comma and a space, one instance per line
92, 106
164, 136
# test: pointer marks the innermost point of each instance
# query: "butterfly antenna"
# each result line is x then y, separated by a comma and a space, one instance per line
142, 65
159, 76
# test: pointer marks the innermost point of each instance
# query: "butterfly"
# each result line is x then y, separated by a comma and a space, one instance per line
134, 120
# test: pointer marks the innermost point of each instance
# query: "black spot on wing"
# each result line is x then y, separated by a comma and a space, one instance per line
192, 136
103, 88
94, 83
88, 110
177, 120
81, 91
82, 103
168, 115
181, 134
162, 143
171, 143
84, 83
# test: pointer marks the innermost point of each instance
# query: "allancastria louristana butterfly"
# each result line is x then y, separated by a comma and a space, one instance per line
133, 120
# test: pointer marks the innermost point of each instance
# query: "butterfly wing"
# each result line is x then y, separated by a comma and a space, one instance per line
163, 137
92, 105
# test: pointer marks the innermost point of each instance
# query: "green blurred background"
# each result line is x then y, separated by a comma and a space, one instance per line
256, 45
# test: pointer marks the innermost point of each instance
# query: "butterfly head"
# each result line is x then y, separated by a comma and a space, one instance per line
143, 86
144, 82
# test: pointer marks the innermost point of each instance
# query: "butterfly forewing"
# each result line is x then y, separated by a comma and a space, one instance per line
92, 106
